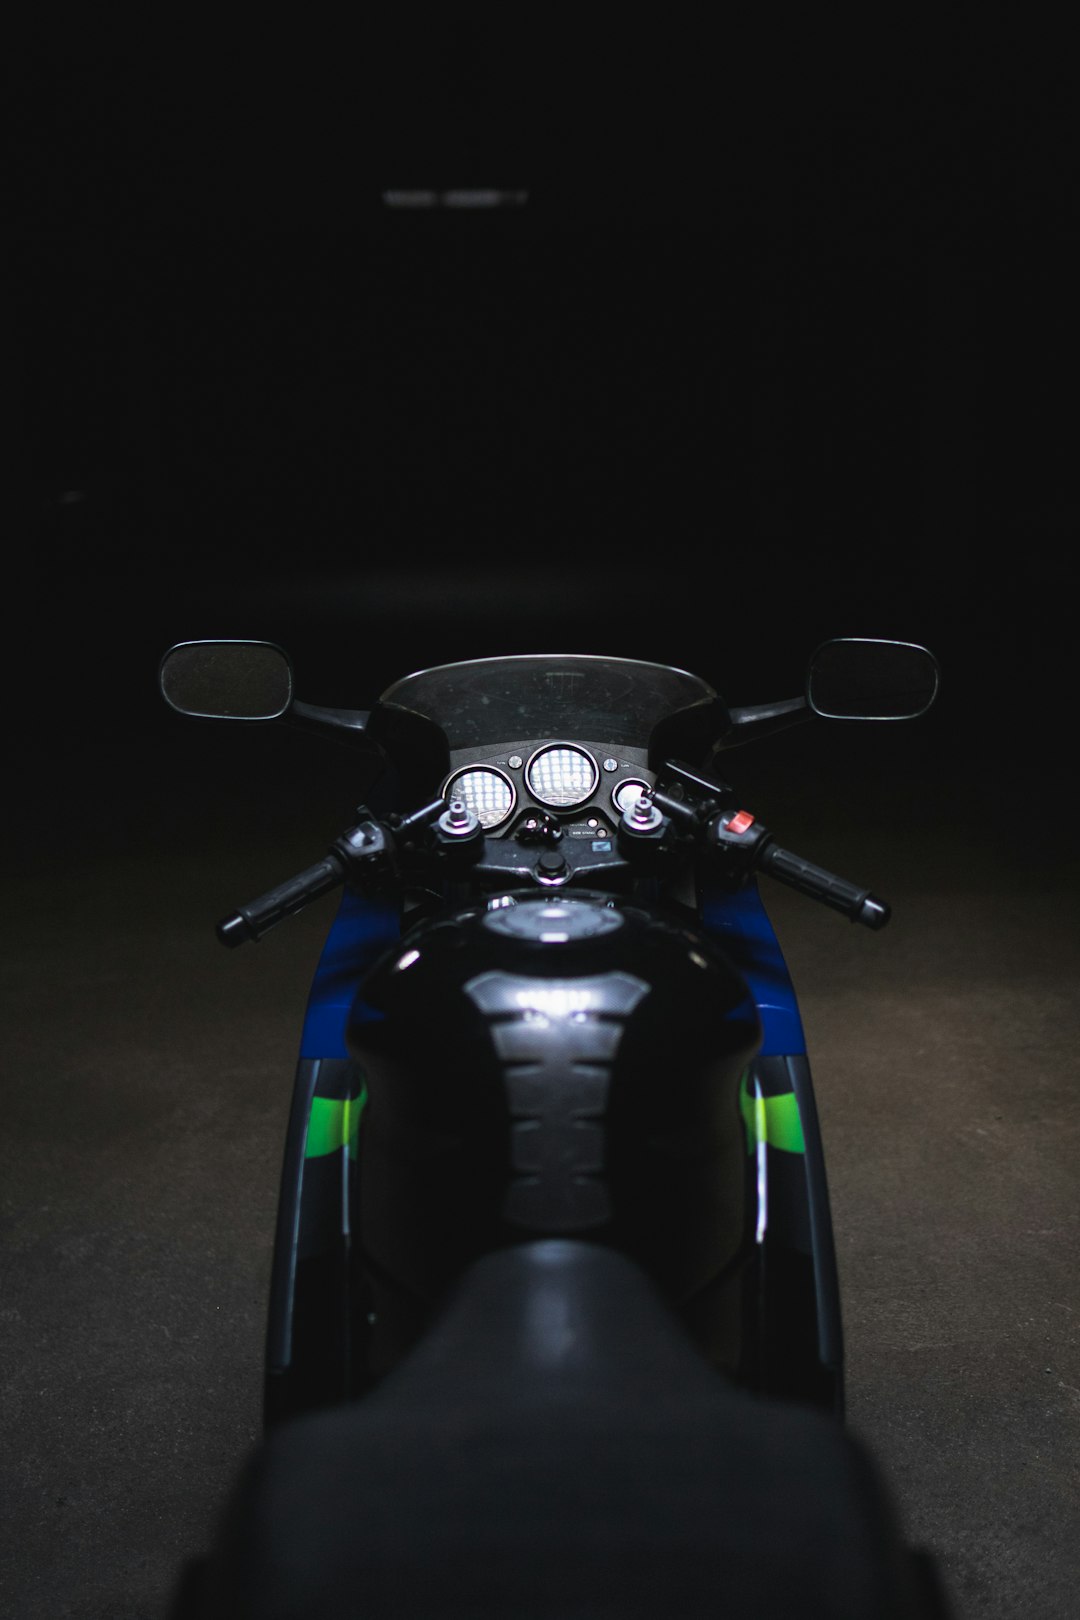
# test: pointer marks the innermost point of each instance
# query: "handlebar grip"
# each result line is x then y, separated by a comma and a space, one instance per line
856, 903
259, 916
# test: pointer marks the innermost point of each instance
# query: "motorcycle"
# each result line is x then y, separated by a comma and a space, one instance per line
552, 1060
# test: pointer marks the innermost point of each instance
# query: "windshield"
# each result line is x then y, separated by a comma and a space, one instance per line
493, 700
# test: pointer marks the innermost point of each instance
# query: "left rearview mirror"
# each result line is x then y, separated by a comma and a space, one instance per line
227, 680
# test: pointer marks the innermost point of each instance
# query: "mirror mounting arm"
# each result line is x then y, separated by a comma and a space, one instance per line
344, 725
761, 719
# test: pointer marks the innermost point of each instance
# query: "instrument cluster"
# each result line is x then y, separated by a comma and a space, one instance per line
557, 778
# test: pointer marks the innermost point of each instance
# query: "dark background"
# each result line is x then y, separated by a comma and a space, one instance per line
783, 346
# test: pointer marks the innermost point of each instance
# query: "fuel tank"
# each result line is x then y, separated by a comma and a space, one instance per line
540, 1066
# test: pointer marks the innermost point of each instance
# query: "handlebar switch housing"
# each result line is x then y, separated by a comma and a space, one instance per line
738, 841
367, 853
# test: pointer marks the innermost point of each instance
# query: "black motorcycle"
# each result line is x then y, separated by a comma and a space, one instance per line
553, 1169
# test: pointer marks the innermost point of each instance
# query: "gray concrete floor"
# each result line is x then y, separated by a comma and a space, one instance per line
145, 1092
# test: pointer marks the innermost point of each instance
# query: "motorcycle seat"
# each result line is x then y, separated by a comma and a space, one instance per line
556, 1446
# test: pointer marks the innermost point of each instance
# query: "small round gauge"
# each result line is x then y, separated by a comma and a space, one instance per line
561, 776
627, 793
486, 792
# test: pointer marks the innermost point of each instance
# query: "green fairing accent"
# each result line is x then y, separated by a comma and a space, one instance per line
774, 1120
334, 1123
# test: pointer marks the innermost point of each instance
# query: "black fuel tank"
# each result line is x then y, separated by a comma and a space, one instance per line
548, 1066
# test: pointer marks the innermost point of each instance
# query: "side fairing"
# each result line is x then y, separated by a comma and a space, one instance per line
361, 929
799, 1352
316, 1296
739, 923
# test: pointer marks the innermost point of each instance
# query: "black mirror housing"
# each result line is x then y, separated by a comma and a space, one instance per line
227, 680
855, 678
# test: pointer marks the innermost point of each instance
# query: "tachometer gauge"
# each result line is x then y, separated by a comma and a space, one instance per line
561, 776
486, 792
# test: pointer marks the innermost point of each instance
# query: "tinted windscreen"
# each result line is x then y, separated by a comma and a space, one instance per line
493, 700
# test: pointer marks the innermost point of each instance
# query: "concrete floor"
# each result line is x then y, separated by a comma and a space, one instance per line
146, 1087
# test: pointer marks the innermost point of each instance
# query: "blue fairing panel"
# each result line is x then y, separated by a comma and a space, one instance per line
740, 925
361, 930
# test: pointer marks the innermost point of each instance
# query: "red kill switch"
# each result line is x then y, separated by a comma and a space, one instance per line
740, 821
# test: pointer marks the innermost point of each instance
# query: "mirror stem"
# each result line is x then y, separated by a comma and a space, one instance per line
763, 718
345, 725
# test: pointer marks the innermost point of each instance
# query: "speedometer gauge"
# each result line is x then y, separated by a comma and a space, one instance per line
561, 776
486, 792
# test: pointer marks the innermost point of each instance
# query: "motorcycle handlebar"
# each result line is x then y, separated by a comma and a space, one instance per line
368, 845
259, 916
855, 903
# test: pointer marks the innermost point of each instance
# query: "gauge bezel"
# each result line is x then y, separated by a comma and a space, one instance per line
482, 765
571, 747
627, 781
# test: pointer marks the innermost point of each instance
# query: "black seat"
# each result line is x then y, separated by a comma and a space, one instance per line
555, 1447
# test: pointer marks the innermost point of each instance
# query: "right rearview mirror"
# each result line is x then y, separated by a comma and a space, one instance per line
856, 679
227, 680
